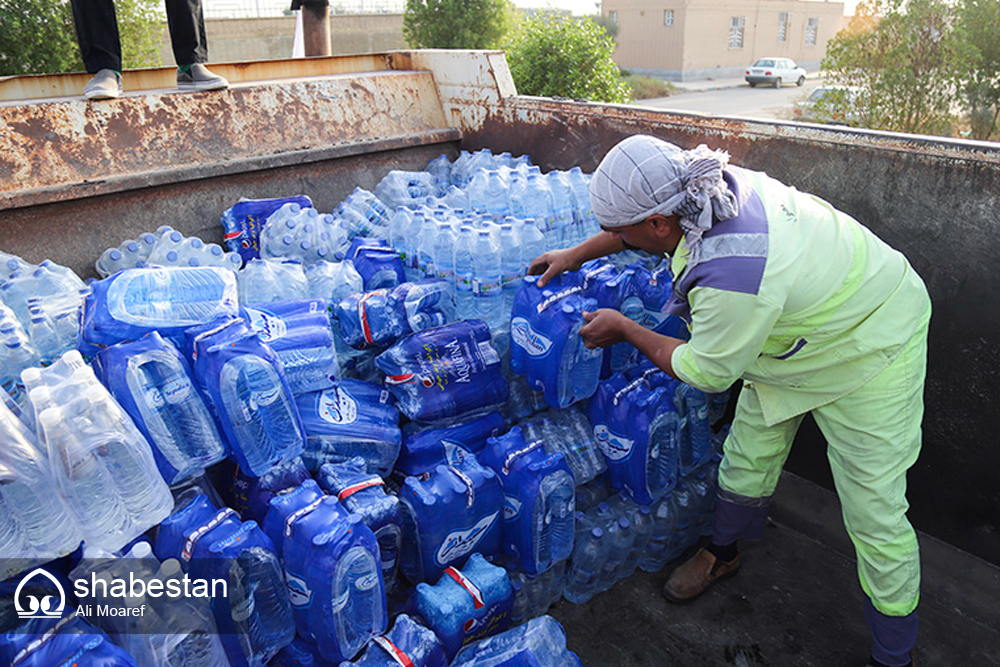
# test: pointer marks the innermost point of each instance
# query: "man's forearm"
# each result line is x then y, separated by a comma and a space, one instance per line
658, 348
599, 245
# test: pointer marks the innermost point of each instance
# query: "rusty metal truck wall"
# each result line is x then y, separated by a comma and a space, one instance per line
936, 200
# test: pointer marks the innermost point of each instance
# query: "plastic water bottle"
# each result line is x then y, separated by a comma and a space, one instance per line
263, 281
362, 493
108, 476
657, 552
332, 281
405, 188
532, 242
580, 182
538, 504
562, 212
533, 199
332, 569
426, 247
151, 382
696, 438
16, 355
541, 641
465, 307
251, 388
35, 524
512, 267
407, 643
589, 554
468, 604
619, 537
444, 257
486, 290
440, 169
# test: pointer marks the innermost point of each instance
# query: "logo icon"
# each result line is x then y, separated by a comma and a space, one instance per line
49, 606
463, 542
511, 508
534, 343
615, 447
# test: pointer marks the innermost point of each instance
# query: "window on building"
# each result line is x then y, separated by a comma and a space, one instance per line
613, 16
782, 27
668, 17
736, 24
812, 27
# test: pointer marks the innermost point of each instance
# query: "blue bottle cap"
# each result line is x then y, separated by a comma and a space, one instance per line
171, 256
132, 246
194, 262
176, 237
114, 255
148, 238
623, 523
597, 533
286, 239
305, 245
216, 250
290, 224
321, 251
197, 243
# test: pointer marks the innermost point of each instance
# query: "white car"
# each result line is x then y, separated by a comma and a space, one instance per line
775, 71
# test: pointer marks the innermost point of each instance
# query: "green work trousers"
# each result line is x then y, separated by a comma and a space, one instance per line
873, 437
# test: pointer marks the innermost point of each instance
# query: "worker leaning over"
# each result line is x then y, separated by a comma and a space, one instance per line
815, 314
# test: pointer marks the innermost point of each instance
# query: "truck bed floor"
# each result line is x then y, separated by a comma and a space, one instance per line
796, 601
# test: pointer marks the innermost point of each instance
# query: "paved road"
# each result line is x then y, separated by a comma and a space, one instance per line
741, 100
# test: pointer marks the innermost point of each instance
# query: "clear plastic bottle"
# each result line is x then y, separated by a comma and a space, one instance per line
444, 257
426, 246
262, 413
464, 274
486, 289
562, 213
532, 198
553, 518
619, 535
511, 265
589, 556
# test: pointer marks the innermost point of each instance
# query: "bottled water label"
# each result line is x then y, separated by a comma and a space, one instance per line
525, 337
337, 407
176, 391
267, 326
489, 355
612, 446
298, 590
511, 508
463, 542
485, 288
366, 582
266, 397
154, 398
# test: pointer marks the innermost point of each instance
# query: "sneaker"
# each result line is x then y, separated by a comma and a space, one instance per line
200, 77
105, 85
693, 578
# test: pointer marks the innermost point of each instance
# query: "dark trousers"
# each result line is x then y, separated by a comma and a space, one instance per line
100, 45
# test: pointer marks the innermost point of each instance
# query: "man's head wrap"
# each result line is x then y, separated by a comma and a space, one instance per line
644, 176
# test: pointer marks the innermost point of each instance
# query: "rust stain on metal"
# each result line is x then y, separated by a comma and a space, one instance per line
66, 142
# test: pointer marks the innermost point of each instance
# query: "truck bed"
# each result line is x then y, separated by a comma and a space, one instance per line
76, 178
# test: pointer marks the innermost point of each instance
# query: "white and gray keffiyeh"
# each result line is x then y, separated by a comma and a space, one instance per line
643, 176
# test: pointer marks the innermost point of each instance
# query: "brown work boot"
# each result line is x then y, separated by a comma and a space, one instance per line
693, 578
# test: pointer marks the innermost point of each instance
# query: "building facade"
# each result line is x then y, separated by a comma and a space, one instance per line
685, 40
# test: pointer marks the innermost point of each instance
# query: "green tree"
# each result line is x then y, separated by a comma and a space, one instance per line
903, 57
977, 25
38, 37
456, 24
559, 56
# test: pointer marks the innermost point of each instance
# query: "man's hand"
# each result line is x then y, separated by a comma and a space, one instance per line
553, 263
604, 327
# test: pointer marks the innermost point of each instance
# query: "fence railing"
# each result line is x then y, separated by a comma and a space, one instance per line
251, 9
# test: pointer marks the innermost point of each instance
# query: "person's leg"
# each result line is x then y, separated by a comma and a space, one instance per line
874, 438
187, 31
97, 34
753, 456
